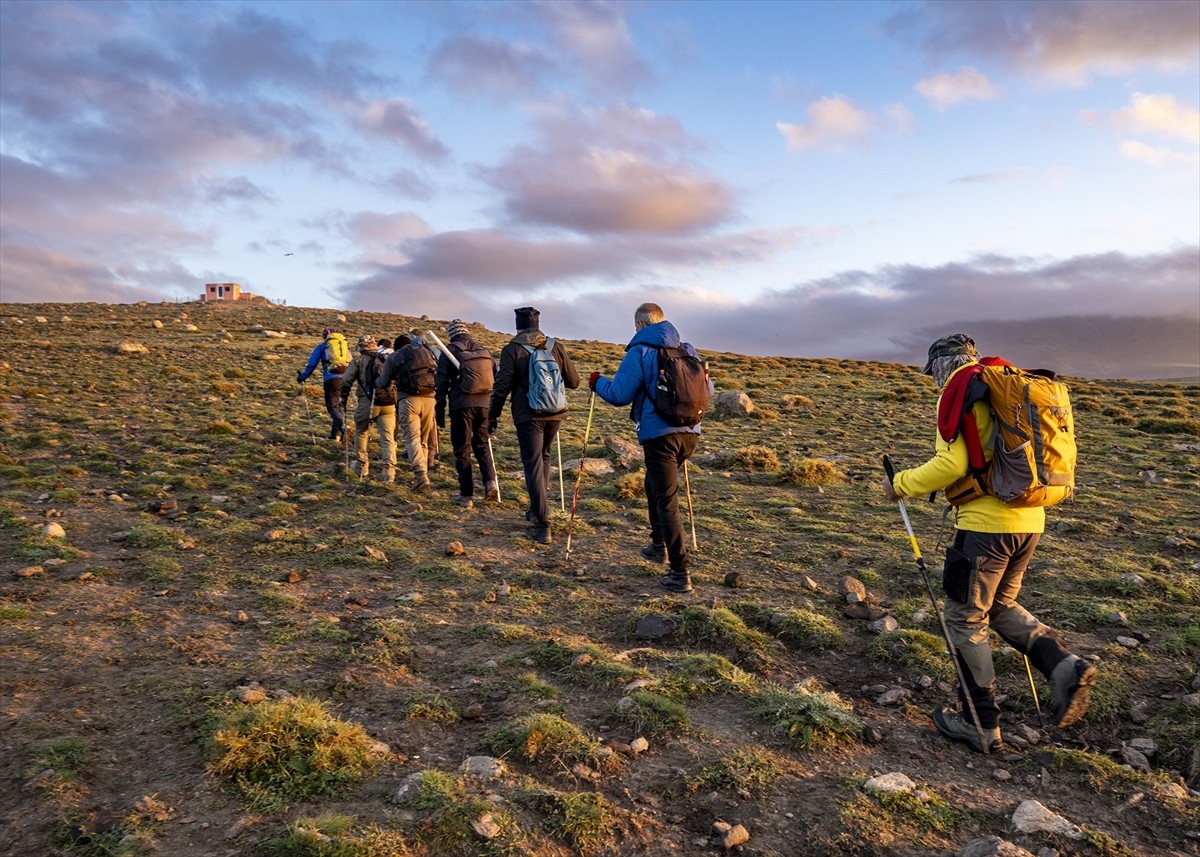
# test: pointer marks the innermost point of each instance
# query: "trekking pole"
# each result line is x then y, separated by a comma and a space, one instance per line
687, 487
562, 493
362, 467
579, 478
492, 456
1033, 689
962, 683
308, 410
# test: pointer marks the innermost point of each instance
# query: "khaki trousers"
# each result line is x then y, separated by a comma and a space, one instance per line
384, 418
417, 425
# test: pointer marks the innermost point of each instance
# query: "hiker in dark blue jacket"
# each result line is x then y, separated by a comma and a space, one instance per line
331, 375
666, 447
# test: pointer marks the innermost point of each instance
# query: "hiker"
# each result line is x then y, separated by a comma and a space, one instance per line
429, 429
375, 405
993, 544
334, 356
536, 429
467, 389
666, 446
412, 368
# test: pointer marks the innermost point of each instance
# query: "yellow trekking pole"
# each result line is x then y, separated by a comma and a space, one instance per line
579, 478
962, 684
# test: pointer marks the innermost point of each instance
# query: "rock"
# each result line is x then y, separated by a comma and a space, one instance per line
40, 319
1118, 618
1002, 775
484, 767
408, 788
628, 453
128, 346
653, 628
1134, 759
54, 531
863, 611
597, 466
733, 403
639, 745
1128, 642
472, 711
737, 835
626, 704
485, 827
1032, 817
884, 625
157, 325
455, 548
892, 783
1139, 712
638, 684
849, 584
1025, 733
251, 694
924, 682
583, 772
992, 846
1132, 579
1171, 791
274, 334
1192, 700
379, 749
854, 598
920, 617
582, 659
190, 328
735, 580
1145, 746
809, 584
872, 735
241, 618
891, 697
30, 571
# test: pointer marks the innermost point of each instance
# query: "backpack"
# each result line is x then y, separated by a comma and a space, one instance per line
337, 352
476, 371
1033, 442
547, 394
381, 396
681, 388
418, 372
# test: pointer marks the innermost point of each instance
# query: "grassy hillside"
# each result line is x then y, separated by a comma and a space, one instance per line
238, 649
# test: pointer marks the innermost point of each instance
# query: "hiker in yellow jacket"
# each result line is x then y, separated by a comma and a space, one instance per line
985, 564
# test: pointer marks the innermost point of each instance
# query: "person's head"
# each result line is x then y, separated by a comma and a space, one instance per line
457, 327
366, 342
385, 344
415, 335
947, 354
527, 317
327, 331
401, 340
646, 315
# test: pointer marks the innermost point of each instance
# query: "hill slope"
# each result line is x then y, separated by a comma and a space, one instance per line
214, 552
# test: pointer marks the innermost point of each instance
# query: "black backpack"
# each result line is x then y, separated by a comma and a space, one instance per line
681, 388
476, 371
381, 396
418, 372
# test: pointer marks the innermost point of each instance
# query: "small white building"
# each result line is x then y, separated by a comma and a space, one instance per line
221, 292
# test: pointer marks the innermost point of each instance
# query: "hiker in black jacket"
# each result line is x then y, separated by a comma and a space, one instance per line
535, 433
467, 389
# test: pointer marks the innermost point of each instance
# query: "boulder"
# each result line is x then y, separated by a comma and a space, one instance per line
128, 346
733, 403
628, 453
993, 846
889, 783
1032, 817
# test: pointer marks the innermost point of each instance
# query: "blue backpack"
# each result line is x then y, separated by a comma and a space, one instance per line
547, 393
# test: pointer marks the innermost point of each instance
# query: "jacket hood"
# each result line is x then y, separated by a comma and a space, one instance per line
660, 335
530, 336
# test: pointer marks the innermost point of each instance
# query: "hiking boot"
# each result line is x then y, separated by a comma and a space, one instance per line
1071, 683
954, 726
464, 501
359, 468
531, 516
389, 475
676, 582
493, 492
654, 552
420, 482
541, 535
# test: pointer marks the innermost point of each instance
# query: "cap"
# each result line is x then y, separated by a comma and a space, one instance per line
366, 342
947, 346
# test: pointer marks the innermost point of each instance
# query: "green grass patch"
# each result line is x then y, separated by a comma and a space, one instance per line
752, 769
917, 650
807, 716
549, 738
332, 835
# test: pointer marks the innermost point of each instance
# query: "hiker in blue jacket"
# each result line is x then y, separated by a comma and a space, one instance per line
331, 375
666, 447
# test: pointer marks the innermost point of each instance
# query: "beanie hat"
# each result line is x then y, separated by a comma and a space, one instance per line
328, 331
527, 316
956, 344
366, 342
457, 327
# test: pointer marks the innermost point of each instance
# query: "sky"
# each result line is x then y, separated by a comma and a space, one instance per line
823, 179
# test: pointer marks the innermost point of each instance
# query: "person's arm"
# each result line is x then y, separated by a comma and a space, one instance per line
313, 360
391, 367
623, 386
504, 381
949, 462
445, 379
569, 373
347, 385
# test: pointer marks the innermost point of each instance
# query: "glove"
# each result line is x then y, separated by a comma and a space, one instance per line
345, 403
300, 377
592, 379
492, 423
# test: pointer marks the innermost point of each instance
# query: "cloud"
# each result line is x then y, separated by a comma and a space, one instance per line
1156, 156
833, 123
36, 274
966, 84
596, 37
992, 177
1160, 115
619, 169
1068, 40
476, 65
397, 120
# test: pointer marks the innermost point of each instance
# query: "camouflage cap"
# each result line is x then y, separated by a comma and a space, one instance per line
366, 342
947, 346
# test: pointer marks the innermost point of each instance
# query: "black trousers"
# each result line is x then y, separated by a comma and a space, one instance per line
535, 439
664, 456
333, 404
468, 434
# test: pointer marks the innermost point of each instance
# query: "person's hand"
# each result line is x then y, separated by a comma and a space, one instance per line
592, 379
888, 490
492, 424
441, 422
300, 377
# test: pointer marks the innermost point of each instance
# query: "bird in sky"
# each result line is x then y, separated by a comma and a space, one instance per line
289, 254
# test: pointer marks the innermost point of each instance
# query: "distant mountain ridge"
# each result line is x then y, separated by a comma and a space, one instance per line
1142, 348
